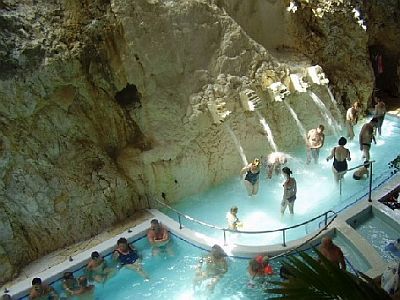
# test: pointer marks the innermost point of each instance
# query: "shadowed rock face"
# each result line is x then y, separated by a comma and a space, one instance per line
106, 103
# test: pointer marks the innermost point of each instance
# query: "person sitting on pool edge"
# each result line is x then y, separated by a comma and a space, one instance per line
211, 268
128, 257
251, 179
360, 172
97, 268
41, 290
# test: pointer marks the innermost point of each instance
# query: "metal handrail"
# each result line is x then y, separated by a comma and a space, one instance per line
283, 230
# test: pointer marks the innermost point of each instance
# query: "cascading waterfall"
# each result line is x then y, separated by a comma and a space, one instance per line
335, 106
270, 137
326, 113
237, 144
300, 126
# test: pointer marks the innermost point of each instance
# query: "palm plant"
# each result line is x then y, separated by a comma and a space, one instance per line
313, 279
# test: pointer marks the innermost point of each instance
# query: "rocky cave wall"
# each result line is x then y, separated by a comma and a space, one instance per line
78, 153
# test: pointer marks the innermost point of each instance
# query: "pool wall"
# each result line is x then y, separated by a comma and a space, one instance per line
340, 226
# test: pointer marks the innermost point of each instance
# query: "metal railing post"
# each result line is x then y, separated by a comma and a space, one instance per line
326, 218
370, 182
180, 223
284, 238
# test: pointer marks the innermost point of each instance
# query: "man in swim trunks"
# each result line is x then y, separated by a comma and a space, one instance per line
128, 257
366, 137
97, 268
314, 141
251, 181
332, 252
352, 118
41, 290
340, 155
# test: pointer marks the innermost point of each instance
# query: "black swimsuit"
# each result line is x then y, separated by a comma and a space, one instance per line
340, 166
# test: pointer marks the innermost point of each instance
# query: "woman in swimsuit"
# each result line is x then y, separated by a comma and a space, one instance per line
252, 172
128, 257
340, 156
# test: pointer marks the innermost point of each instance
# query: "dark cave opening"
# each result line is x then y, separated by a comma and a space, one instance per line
385, 66
129, 97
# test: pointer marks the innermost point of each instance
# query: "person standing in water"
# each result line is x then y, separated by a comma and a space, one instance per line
379, 114
340, 156
251, 179
233, 220
275, 161
366, 137
289, 191
314, 141
352, 118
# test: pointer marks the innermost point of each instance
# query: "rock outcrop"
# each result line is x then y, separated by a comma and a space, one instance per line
106, 104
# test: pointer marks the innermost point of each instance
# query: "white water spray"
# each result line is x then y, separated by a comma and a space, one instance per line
270, 137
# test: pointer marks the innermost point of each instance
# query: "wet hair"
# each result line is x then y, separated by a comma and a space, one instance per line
286, 170
95, 254
234, 208
255, 267
36, 281
122, 241
68, 275
256, 162
342, 141
217, 251
154, 221
6, 297
366, 164
322, 127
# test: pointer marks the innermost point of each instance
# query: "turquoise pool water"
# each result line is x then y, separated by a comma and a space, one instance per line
171, 277
317, 192
379, 233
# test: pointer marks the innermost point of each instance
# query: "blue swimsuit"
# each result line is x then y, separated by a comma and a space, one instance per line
129, 258
252, 177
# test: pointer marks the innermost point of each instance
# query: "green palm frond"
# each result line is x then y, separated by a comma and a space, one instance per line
320, 279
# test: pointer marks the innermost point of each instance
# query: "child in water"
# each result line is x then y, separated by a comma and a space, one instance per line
233, 220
